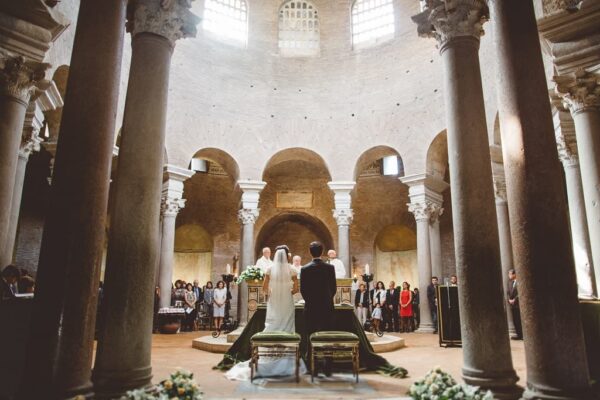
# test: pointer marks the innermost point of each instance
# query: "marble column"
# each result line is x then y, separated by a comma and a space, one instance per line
247, 217
580, 92
457, 27
436, 241
30, 142
125, 340
537, 207
64, 312
18, 80
343, 215
171, 203
567, 154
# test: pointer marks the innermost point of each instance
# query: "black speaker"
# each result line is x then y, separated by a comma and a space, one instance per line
448, 316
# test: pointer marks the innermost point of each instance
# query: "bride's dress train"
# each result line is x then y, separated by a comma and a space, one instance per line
280, 317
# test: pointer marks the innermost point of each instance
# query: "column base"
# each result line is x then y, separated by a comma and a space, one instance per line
114, 384
550, 393
426, 328
503, 384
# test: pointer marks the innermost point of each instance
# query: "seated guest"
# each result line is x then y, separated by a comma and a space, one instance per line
406, 312
190, 307
361, 303
8, 280
26, 284
378, 305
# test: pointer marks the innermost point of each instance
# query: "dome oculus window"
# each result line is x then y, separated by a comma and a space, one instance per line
298, 29
227, 19
372, 22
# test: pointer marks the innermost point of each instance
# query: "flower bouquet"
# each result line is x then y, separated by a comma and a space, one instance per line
251, 273
439, 385
180, 386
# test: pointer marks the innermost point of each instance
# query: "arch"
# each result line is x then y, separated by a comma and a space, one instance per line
437, 156
312, 223
227, 19
296, 154
373, 22
299, 28
374, 154
224, 159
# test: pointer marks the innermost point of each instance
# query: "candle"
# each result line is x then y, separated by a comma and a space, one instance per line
354, 276
367, 269
228, 269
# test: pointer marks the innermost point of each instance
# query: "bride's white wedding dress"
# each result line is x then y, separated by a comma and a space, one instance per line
280, 317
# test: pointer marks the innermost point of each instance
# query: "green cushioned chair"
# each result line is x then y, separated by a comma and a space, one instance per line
274, 345
335, 345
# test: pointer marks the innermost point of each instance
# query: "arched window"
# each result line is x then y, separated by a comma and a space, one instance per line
298, 29
227, 18
372, 22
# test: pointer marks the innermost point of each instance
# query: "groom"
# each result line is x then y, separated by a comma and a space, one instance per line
318, 286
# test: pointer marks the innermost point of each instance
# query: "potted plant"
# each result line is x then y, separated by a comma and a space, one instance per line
251, 273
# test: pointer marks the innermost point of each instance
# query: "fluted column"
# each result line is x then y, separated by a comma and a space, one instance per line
567, 154
133, 246
171, 203
580, 92
343, 215
457, 27
537, 207
61, 343
18, 80
247, 217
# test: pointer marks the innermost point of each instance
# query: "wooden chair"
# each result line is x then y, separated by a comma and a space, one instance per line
275, 345
339, 346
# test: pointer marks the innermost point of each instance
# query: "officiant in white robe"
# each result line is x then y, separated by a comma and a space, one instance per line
265, 261
340, 269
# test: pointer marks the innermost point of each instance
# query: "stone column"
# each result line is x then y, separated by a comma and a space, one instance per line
30, 142
537, 207
171, 203
425, 197
436, 240
247, 217
64, 315
343, 215
18, 80
581, 94
133, 246
567, 154
457, 26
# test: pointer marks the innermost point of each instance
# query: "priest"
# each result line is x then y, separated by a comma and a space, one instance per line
340, 269
265, 261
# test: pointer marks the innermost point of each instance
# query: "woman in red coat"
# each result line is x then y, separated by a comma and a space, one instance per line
406, 312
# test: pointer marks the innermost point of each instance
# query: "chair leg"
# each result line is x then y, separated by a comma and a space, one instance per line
312, 365
298, 364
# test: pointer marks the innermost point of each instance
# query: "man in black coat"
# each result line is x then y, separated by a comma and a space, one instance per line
318, 287
392, 302
513, 300
432, 300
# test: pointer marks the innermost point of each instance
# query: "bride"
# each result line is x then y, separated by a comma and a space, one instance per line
281, 283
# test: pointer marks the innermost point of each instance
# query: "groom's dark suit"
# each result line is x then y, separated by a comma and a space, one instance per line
318, 286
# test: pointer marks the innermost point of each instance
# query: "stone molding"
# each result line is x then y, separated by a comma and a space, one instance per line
34, 121
421, 210
446, 20
171, 19
248, 215
580, 90
554, 6
172, 191
344, 216
170, 207
19, 78
251, 193
341, 190
436, 212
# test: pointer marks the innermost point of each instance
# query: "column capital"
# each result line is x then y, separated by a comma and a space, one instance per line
34, 121
436, 212
425, 187
248, 215
251, 193
446, 20
341, 190
579, 90
343, 216
170, 207
171, 19
20, 77
421, 210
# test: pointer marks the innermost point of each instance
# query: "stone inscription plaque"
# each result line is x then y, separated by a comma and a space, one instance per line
294, 199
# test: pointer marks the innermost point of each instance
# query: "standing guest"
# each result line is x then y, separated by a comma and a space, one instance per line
340, 269
8, 280
156, 308
513, 301
26, 284
453, 280
392, 299
406, 312
265, 261
416, 309
432, 300
208, 298
378, 305
219, 300
179, 296
197, 291
190, 307
361, 303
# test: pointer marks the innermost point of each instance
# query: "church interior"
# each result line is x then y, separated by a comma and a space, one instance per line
144, 142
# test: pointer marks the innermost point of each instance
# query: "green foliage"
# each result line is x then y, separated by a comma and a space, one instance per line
250, 274
439, 385
179, 386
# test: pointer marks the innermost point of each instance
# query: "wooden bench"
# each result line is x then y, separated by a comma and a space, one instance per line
339, 346
275, 345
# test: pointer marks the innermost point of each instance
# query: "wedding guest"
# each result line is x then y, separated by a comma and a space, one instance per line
432, 300
406, 313
208, 298
416, 309
219, 300
197, 291
265, 261
179, 295
8, 280
340, 269
392, 299
378, 305
453, 280
513, 301
190, 307
361, 303
26, 284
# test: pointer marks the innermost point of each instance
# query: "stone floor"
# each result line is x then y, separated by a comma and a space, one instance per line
421, 353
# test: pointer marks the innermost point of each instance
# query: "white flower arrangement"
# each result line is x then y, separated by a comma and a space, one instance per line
439, 385
180, 386
251, 273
